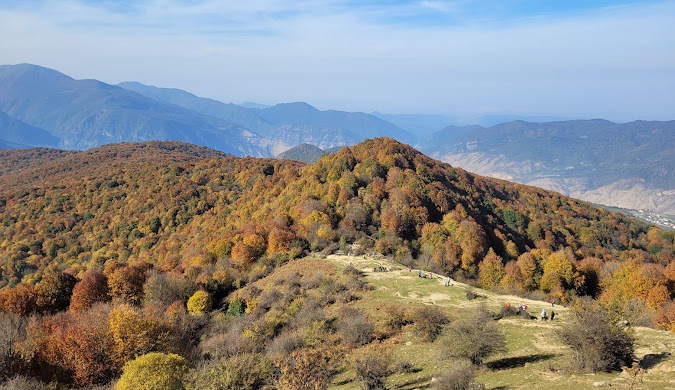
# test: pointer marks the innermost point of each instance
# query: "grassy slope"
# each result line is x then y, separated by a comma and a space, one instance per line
534, 359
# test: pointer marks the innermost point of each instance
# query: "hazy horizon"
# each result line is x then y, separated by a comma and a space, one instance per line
611, 60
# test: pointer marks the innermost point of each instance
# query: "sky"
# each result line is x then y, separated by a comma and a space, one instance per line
568, 59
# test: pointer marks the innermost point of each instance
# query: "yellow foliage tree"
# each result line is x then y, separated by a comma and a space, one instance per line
200, 302
491, 270
134, 334
154, 371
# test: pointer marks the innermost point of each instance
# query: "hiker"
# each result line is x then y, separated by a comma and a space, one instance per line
419, 274
447, 282
409, 268
552, 315
543, 314
507, 304
552, 302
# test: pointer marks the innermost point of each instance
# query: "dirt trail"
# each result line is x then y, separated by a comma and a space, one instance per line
410, 287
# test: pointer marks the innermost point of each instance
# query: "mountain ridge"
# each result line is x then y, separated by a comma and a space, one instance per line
87, 113
285, 124
597, 160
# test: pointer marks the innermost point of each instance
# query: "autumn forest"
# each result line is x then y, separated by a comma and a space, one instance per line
123, 250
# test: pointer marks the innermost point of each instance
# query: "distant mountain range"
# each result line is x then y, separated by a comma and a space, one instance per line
285, 125
627, 165
82, 114
630, 165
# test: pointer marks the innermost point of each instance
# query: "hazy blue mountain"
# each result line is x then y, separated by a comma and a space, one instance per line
88, 113
286, 124
419, 125
629, 165
253, 105
495, 119
305, 153
15, 134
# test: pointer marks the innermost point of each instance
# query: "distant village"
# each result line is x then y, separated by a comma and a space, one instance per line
665, 221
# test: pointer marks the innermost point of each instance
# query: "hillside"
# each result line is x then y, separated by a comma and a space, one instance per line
167, 247
534, 359
304, 152
81, 114
15, 134
285, 125
171, 204
599, 161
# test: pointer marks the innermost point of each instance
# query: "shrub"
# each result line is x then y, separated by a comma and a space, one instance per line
306, 369
372, 366
475, 337
471, 294
404, 367
200, 302
396, 317
354, 327
352, 271
284, 344
25, 383
236, 307
599, 343
154, 371
457, 377
242, 372
428, 322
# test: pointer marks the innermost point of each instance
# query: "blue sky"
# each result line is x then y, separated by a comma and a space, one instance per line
576, 59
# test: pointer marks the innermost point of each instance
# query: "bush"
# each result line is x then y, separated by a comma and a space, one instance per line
236, 307
243, 372
599, 343
25, 383
199, 303
306, 369
471, 294
457, 377
154, 371
396, 318
428, 322
475, 337
352, 271
354, 327
284, 344
372, 366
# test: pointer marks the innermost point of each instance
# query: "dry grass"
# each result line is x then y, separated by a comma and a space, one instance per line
535, 359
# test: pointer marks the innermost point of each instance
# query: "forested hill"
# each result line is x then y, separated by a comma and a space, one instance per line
221, 220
